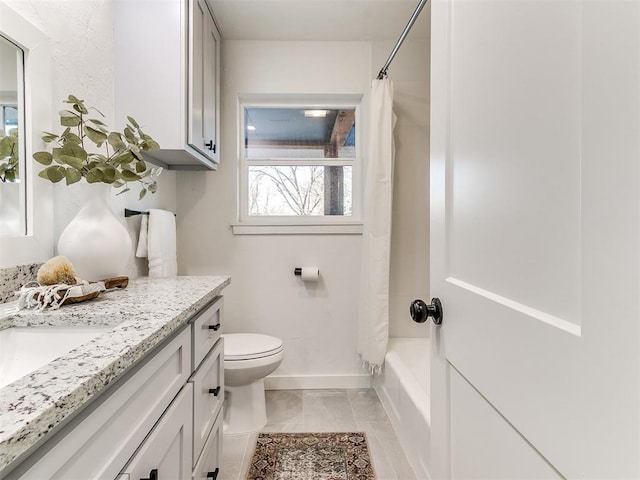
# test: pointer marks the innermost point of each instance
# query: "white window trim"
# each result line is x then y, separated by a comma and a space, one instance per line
299, 229
294, 225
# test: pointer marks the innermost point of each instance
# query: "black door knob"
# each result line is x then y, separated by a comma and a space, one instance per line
420, 311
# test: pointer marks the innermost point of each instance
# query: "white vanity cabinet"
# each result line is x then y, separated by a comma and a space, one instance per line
161, 421
167, 77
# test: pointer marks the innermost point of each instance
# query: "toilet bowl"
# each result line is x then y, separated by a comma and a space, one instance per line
248, 358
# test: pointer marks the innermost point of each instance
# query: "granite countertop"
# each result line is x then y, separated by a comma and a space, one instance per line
142, 315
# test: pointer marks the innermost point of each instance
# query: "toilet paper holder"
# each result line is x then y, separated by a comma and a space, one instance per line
298, 271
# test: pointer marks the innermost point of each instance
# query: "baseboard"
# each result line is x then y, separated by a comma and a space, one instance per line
387, 404
315, 382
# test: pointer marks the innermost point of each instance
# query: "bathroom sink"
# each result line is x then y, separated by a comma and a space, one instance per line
8, 309
25, 349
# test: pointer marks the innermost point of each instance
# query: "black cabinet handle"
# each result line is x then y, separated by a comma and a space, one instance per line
213, 474
211, 146
214, 327
153, 475
215, 391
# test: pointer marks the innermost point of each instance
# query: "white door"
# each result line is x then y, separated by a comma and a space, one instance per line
535, 238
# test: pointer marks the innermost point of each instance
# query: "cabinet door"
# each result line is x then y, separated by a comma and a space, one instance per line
203, 85
208, 466
167, 449
211, 91
208, 394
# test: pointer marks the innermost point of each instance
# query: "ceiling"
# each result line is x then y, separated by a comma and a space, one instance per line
288, 125
292, 128
318, 20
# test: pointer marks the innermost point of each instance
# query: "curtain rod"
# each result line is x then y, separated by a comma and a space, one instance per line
383, 70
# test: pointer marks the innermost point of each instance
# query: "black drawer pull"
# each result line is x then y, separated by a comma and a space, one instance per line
214, 327
153, 475
215, 391
213, 474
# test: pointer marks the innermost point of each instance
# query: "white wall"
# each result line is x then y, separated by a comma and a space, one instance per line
265, 296
81, 36
8, 73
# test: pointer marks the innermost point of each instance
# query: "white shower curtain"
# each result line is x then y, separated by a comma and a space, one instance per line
373, 321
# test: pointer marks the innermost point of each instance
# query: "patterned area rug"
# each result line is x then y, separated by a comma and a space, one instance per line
307, 456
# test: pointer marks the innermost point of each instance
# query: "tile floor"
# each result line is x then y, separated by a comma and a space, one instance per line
324, 411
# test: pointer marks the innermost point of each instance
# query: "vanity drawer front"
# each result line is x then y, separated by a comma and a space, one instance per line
166, 450
206, 330
211, 459
208, 395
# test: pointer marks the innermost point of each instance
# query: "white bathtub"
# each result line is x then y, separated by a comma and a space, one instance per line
403, 388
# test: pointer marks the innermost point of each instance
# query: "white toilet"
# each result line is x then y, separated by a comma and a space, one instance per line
248, 358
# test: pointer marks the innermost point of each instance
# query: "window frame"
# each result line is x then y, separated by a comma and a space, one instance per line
274, 224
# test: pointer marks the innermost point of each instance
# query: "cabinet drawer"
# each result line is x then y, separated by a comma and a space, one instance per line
206, 330
101, 441
167, 448
208, 396
210, 463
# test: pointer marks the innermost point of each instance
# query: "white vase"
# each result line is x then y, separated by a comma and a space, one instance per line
95, 242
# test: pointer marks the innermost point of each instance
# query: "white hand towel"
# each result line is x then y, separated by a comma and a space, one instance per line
143, 240
160, 244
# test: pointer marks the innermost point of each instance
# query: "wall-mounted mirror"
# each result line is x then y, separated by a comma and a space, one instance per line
12, 152
26, 210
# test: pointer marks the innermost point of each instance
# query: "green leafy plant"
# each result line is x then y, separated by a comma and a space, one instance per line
9, 156
120, 163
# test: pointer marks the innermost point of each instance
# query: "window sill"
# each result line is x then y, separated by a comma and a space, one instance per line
296, 229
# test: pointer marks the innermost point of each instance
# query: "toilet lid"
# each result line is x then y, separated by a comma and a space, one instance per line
244, 346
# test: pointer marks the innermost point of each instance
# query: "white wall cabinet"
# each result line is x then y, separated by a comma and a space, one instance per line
162, 421
168, 78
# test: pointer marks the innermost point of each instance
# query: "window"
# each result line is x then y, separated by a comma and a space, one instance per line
9, 118
299, 165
